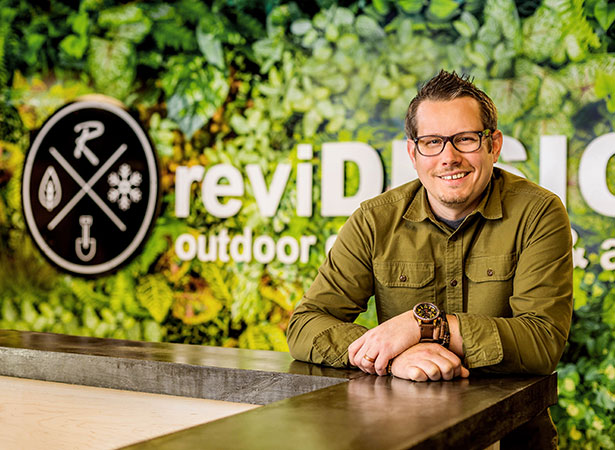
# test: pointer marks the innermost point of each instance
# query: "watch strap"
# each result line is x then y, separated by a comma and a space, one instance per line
427, 331
437, 331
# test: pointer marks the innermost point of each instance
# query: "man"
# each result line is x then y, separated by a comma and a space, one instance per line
470, 266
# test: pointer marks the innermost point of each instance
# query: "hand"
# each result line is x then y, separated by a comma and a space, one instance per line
383, 343
428, 361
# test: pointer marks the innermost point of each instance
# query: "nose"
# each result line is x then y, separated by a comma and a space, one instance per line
450, 155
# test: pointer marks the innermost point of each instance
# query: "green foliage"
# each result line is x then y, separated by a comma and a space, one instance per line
195, 90
244, 83
264, 337
586, 376
605, 88
154, 294
112, 65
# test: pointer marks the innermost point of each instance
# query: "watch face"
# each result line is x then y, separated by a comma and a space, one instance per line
426, 311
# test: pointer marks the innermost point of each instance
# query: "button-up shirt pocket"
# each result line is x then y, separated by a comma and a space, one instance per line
490, 284
402, 284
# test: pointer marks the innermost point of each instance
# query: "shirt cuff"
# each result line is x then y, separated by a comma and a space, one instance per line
332, 343
482, 345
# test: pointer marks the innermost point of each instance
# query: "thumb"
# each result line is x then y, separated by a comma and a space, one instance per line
465, 373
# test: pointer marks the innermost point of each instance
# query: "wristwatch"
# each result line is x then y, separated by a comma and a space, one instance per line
432, 323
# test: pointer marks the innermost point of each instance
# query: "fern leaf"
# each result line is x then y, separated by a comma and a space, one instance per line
155, 295
218, 283
84, 291
5, 31
575, 27
158, 243
263, 337
123, 294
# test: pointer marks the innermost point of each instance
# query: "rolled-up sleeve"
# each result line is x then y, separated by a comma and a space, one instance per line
321, 327
533, 339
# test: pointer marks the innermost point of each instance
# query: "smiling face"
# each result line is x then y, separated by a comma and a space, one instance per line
454, 181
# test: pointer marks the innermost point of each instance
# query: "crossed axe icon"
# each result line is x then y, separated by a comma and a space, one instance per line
86, 188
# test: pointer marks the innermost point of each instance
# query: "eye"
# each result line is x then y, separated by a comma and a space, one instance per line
466, 138
433, 141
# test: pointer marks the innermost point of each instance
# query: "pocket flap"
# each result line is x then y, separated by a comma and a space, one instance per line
404, 274
491, 268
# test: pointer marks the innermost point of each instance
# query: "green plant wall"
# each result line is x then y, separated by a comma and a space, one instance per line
246, 82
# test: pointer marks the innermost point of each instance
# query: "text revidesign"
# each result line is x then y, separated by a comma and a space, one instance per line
222, 185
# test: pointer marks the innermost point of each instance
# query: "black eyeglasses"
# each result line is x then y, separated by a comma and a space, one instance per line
464, 142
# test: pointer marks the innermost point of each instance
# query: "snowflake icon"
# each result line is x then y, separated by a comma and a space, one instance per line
124, 187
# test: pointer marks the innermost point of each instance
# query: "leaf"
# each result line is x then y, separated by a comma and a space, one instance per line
504, 14
80, 23
211, 48
175, 35
575, 27
442, 9
134, 32
604, 11
300, 26
410, 6
604, 84
84, 291
112, 65
165, 230
74, 46
467, 25
368, 28
343, 16
8, 312
119, 15
34, 43
194, 308
541, 34
152, 332
381, 6
263, 337
155, 295
122, 297
195, 90
268, 52
514, 96
580, 78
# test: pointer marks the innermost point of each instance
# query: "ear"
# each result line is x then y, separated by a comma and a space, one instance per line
411, 151
497, 140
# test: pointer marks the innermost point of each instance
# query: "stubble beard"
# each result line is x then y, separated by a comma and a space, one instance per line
453, 200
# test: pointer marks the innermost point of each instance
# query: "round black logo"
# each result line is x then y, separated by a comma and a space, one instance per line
90, 187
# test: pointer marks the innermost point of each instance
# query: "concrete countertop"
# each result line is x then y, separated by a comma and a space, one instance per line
307, 406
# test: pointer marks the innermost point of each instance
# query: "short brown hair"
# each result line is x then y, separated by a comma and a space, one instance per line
448, 86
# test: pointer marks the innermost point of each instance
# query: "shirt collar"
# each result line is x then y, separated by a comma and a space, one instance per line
490, 207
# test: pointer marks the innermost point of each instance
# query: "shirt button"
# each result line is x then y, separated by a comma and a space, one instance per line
490, 272
402, 278
453, 283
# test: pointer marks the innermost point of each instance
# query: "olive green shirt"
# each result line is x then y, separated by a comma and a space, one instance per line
505, 272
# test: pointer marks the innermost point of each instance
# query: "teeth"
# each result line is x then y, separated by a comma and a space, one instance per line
454, 177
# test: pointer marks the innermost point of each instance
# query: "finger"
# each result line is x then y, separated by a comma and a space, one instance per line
465, 373
436, 357
364, 360
446, 353
354, 348
431, 370
448, 362
448, 369
416, 374
381, 364
367, 366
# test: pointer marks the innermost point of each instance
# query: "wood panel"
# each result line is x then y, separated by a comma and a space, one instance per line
45, 415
